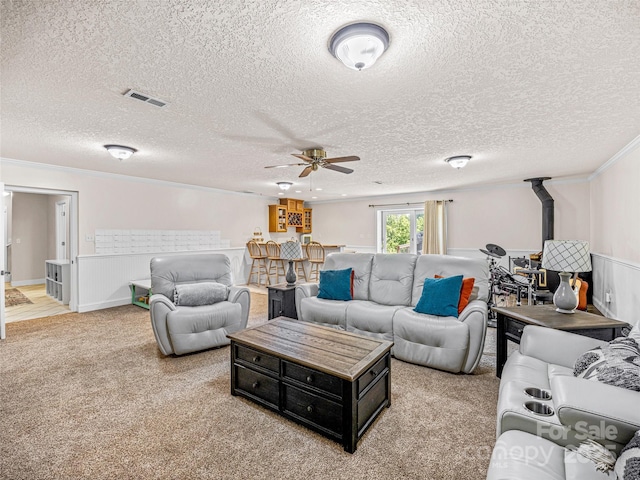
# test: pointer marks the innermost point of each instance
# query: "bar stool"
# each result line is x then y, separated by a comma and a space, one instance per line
275, 261
258, 263
315, 254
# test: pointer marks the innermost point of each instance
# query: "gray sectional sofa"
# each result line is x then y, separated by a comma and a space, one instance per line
385, 291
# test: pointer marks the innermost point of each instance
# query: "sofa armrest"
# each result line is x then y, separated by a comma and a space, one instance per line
475, 316
555, 346
604, 412
242, 296
159, 307
305, 290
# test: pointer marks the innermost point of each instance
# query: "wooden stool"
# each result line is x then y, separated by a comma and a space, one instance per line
315, 254
258, 263
273, 257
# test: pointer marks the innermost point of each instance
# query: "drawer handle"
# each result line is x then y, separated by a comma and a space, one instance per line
310, 408
256, 359
255, 385
520, 330
309, 379
374, 373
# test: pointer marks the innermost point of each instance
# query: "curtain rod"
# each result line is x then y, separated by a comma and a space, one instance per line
404, 204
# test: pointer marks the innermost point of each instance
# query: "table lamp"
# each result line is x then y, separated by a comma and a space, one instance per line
566, 256
291, 251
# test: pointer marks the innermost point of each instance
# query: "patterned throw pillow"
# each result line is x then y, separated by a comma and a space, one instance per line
628, 463
617, 363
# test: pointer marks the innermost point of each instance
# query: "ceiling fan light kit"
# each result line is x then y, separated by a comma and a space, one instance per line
359, 45
120, 152
458, 161
284, 186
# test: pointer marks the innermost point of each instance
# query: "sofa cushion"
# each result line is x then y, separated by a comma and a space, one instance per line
203, 293
371, 319
361, 264
430, 265
440, 296
331, 313
336, 284
429, 340
392, 279
167, 272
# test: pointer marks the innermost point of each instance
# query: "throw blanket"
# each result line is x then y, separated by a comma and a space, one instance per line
196, 294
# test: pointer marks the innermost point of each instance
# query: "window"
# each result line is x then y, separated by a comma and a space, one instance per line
400, 231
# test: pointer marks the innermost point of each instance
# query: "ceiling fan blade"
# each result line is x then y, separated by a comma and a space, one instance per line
286, 165
303, 157
306, 171
337, 168
341, 159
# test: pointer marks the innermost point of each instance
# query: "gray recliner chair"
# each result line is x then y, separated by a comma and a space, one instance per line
183, 329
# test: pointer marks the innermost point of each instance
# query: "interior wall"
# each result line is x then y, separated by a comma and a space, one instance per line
29, 247
509, 216
119, 202
615, 209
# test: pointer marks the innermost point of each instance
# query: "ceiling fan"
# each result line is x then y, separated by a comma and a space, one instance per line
316, 157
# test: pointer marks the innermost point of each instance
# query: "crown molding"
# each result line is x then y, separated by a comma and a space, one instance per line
626, 150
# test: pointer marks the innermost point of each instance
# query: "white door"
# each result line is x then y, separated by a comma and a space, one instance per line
61, 230
3, 333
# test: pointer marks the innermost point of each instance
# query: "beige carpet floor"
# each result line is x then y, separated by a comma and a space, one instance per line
89, 396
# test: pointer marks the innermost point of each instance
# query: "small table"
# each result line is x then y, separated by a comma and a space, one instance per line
145, 285
328, 380
282, 301
512, 320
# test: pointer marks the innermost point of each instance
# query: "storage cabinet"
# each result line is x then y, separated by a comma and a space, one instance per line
306, 222
293, 205
57, 280
278, 218
282, 301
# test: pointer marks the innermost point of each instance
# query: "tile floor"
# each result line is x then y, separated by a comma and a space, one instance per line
43, 305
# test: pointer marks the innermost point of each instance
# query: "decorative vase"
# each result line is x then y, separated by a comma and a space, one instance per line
565, 299
291, 275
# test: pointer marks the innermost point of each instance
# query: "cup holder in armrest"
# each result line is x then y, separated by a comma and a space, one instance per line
538, 393
539, 408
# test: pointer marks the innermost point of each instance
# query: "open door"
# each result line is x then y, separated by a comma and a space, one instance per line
3, 224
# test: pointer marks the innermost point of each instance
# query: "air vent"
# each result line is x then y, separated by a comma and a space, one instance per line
145, 98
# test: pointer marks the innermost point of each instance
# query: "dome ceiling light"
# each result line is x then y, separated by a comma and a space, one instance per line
120, 152
458, 161
359, 45
284, 186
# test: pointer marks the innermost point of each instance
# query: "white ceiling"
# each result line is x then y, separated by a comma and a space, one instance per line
529, 88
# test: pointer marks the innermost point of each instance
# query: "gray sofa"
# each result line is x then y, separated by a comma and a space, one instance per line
535, 446
185, 329
386, 290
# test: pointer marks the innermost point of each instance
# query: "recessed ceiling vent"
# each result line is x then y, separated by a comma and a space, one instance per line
143, 97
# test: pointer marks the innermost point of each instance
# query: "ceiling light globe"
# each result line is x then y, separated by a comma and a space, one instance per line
359, 45
284, 185
458, 161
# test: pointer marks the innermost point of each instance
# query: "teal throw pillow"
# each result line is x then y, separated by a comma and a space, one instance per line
335, 284
440, 296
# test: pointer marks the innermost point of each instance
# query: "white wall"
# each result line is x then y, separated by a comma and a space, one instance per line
29, 249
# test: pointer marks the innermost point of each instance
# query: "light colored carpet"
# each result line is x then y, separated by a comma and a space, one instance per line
90, 396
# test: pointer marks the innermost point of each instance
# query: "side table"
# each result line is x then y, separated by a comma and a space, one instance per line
282, 301
512, 320
140, 292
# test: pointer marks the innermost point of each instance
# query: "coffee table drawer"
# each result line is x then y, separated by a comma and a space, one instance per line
258, 359
515, 328
370, 375
314, 410
257, 385
313, 378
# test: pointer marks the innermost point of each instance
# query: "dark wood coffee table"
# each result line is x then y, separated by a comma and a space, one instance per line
512, 320
331, 381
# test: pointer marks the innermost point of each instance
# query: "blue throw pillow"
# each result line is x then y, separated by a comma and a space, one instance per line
335, 284
440, 296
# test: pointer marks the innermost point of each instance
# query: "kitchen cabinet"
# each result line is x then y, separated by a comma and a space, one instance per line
293, 205
278, 218
306, 222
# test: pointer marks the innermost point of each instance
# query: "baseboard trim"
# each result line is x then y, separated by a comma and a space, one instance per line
24, 283
90, 307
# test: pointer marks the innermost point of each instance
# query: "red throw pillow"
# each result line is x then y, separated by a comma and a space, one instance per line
465, 292
353, 276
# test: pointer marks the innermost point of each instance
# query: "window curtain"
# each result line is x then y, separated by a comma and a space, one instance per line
435, 227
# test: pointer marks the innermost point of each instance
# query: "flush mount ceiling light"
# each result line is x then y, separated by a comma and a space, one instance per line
459, 161
359, 45
120, 152
284, 185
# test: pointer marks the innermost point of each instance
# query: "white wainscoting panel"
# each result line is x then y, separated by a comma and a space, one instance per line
621, 280
103, 280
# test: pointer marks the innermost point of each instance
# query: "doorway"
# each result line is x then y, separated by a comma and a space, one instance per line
41, 227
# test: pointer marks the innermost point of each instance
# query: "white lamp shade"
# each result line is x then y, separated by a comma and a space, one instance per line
566, 256
358, 46
291, 251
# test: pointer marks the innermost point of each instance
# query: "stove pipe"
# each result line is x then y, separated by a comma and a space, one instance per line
547, 206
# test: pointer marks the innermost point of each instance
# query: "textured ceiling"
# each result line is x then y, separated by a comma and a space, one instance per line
529, 88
